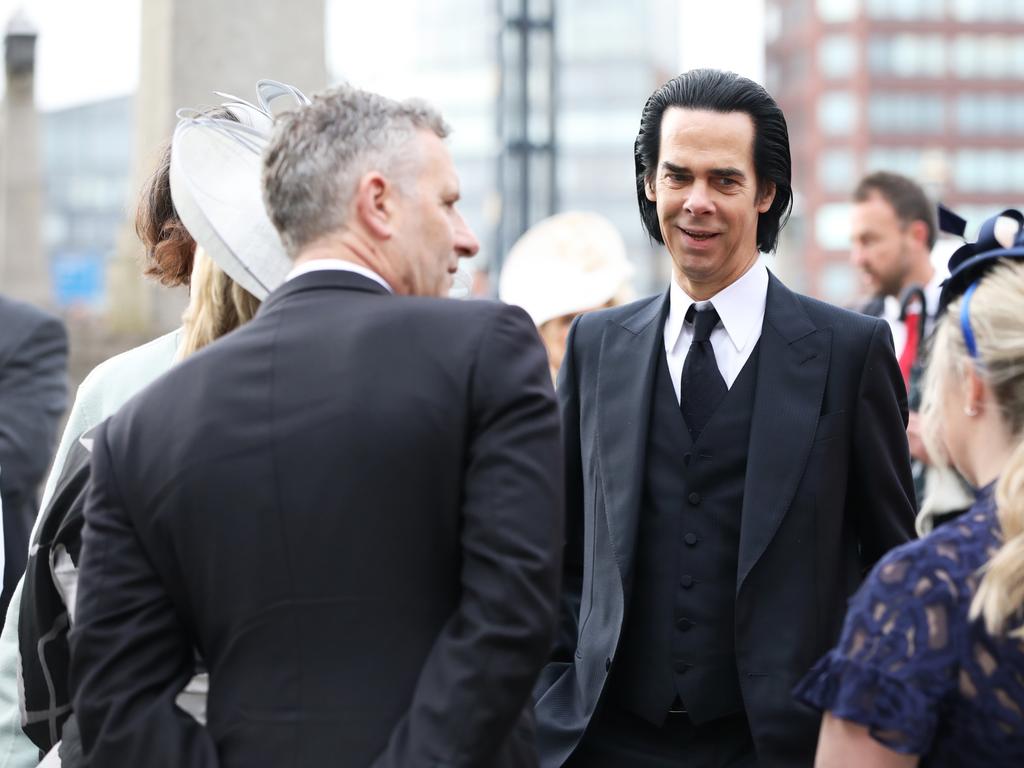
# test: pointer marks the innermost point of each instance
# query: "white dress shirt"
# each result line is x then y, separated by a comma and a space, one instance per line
740, 308
341, 265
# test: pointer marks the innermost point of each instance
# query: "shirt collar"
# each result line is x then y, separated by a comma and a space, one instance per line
740, 305
891, 304
316, 265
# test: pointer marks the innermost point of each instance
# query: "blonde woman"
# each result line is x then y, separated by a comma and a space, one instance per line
930, 666
173, 209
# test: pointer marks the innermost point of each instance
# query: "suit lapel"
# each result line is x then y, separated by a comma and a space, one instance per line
791, 374
625, 381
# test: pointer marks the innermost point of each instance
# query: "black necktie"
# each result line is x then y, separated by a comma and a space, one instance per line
702, 386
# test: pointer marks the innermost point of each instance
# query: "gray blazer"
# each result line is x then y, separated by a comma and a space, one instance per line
33, 395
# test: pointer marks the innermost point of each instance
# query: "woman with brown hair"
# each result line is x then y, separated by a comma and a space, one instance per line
930, 666
43, 606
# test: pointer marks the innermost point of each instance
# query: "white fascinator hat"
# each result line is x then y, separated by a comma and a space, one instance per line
215, 184
566, 264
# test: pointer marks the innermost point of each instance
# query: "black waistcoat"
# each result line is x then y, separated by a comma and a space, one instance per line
678, 640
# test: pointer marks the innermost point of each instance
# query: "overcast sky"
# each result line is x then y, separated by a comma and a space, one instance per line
89, 49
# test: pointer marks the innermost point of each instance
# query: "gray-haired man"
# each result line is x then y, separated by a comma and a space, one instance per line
354, 508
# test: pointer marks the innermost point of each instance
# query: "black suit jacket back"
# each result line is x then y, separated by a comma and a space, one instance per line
351, 507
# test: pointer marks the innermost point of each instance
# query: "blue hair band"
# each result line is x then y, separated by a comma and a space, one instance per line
965, 321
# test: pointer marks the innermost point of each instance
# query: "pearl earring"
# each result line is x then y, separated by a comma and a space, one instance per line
970, 411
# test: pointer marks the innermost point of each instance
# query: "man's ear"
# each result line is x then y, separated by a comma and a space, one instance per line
918, 230
374, 204
765, 197
649, 188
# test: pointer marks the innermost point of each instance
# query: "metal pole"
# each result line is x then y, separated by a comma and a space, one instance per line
524, 114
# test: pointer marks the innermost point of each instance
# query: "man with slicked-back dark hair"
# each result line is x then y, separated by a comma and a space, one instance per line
736, 459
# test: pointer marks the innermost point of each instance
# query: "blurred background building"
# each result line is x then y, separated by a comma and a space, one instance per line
70, 177
87, 154
544, 97
933, 89
23, 269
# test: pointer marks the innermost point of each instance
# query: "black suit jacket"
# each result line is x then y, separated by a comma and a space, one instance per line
352, 508
33, 395
827, 492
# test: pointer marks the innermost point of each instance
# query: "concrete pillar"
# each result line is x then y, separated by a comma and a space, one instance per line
24, 273
189, 49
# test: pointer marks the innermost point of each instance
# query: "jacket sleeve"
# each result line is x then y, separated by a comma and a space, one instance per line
478, 675
566, 636
33, 396
881, 484
130, 653
16, 749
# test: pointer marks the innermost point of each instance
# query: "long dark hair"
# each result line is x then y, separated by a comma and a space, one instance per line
718, 91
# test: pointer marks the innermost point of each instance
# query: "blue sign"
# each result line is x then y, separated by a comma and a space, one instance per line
78, 277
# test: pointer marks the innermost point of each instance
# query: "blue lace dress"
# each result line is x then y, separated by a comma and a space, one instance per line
913, 669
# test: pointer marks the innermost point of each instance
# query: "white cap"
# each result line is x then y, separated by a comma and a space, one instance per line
566, 264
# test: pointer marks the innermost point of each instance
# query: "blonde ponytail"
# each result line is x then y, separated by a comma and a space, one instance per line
1000, 595
217, 305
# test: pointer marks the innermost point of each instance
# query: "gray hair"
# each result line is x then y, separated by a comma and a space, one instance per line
319, 152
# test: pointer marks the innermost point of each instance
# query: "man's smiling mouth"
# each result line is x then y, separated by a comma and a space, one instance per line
696, 235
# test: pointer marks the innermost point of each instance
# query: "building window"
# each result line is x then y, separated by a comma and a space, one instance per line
906, 10
989, 170
832, 226
903, 160
990, 114
906, 113
837, 56
837, 170
835, 11
837, 113
988, 56
988, 10
907, 55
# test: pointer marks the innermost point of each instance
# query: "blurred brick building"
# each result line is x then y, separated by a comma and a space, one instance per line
933, 89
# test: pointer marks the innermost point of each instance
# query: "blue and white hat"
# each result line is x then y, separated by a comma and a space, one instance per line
1001, 237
